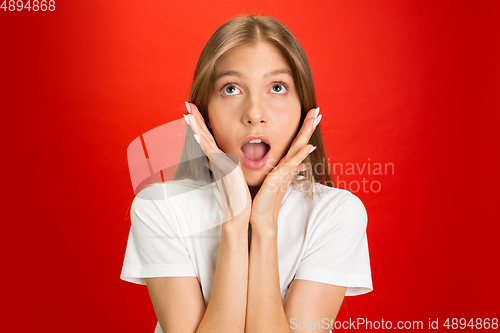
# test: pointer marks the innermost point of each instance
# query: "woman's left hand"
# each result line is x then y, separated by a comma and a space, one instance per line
267, 202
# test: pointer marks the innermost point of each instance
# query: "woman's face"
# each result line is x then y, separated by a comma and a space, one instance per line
254, 95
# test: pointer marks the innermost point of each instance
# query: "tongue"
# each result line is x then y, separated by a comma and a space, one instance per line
255, 151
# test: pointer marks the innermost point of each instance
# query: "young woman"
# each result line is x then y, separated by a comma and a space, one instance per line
253, 237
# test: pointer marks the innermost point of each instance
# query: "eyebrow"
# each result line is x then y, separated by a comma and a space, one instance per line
240, 75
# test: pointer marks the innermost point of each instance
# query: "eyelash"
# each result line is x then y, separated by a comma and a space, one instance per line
224, 85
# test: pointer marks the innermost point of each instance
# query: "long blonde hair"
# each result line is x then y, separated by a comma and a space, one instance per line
244, 31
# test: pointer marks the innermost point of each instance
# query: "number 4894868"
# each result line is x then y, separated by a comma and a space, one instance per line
34, 5
477, 323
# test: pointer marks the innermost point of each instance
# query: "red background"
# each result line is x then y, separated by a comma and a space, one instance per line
413, 83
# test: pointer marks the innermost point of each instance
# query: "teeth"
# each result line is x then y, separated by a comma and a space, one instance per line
255, 141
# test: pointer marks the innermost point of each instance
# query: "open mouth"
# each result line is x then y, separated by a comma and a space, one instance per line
255, 153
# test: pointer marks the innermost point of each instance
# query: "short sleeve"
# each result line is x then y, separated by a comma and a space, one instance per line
153, 247
338, 253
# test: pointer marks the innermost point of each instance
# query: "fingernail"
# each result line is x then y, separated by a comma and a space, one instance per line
197, 138
186, 119
312, 149
317, 120
304, 167
188, 107
316, 112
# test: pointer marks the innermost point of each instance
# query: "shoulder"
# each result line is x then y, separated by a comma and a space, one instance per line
184, 206
340, 202
163, 193
148, 208
152, 201
334, 208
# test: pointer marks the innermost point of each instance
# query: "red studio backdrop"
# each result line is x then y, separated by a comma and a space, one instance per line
408, 87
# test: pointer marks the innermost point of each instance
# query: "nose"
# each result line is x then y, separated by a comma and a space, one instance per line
254, 114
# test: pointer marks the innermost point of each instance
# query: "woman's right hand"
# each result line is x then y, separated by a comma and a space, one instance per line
227, 171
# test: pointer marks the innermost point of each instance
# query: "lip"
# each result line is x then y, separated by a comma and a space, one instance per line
255, 165
250, 138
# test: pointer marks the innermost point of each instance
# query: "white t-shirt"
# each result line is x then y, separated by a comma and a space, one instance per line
176, 229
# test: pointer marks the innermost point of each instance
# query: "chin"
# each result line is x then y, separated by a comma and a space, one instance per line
255, 178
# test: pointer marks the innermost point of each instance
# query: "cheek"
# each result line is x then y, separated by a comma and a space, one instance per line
220, 129
290, 124
287, 129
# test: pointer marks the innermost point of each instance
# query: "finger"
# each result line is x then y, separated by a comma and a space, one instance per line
216, 157
292, 165
195, 113
200, 138
195, 125
303, 167
199, 124
206, 145
310, 122
309, 119
193, 121
305, 133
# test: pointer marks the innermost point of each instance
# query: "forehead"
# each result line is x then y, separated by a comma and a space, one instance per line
252, 59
